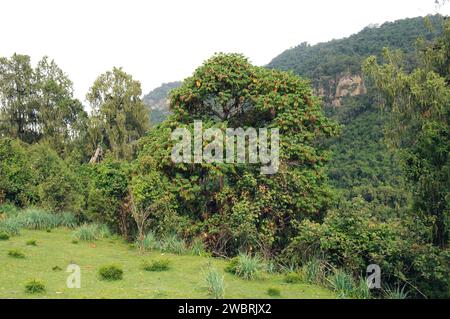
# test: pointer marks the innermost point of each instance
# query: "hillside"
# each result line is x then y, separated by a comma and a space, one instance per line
156, 101
334, 67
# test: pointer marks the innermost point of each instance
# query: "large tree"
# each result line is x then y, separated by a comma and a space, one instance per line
37, 103
418, 104
119, 117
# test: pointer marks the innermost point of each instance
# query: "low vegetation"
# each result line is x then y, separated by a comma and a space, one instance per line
34, 287
110, 273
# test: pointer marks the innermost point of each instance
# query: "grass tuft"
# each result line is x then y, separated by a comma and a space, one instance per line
215, 284
31, 242
245, 266
16, 253
157, 265
110, 273
34, 287
273, 292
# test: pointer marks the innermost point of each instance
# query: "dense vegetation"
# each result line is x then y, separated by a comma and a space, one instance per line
355, 186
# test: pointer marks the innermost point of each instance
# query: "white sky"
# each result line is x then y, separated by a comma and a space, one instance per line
165, 40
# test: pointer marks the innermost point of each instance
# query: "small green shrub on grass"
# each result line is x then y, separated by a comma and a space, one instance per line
342, 282
74, 241
215, 284
110, 273
31, 242
56, 268
34, 287
89, 232
16, 253
4, 236
293, 278
157, 265
274, 292
245, 266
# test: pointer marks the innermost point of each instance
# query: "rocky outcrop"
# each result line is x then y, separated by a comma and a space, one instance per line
334, 90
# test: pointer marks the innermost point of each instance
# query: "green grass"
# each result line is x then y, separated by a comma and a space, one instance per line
184, 279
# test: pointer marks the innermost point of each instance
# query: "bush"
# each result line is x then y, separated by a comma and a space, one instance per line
4, 236
89, 232
157, 265
245, 266
16, 253
34, 287
110, 273
293, 278
215, 283
31, 242
274, 292
150, 241
342, 282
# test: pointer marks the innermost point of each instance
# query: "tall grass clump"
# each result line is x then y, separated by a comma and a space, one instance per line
8, 210
11, 226
67, 220
395, 292
215, 283
314, 271
15, 253
245, 266
35, 218
88, 232
362, 290
342, 282
151, 242
172, 244
197, 248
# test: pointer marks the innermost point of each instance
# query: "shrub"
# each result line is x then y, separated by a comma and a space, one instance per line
245, 266
293, 278
57, 268
31, 242
273, 292
395, 293
74, 241
88, 232
10, 226
4, 236
16, 253
110, 273
35, 218
215, 284
342, 282
34, 287
157, 265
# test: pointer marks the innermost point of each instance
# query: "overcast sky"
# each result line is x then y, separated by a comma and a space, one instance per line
162, 41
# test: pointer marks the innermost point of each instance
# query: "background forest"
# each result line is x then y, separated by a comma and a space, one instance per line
364, 167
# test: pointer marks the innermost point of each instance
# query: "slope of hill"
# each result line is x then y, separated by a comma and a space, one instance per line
334, 67
157, 102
